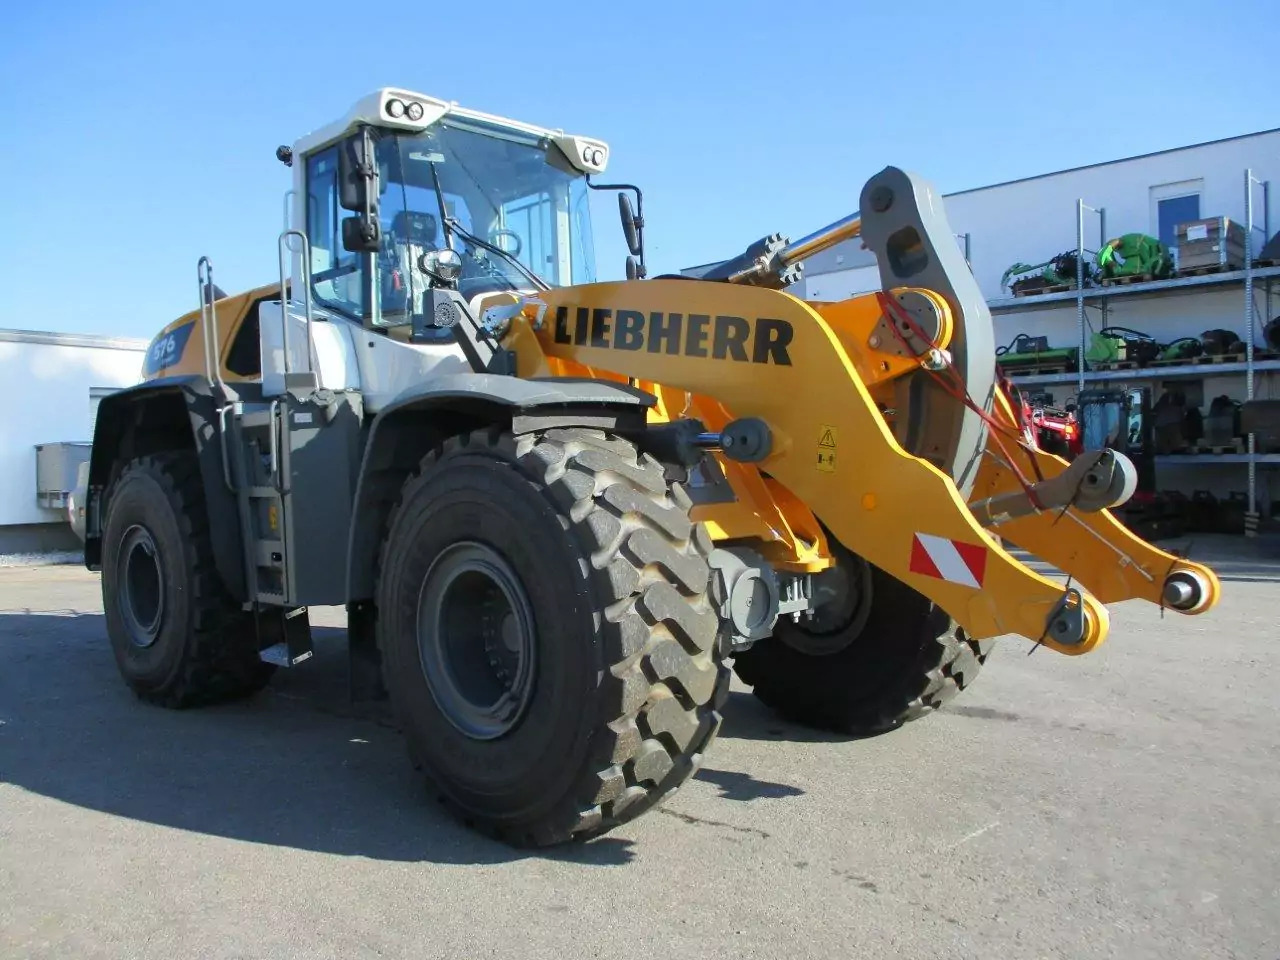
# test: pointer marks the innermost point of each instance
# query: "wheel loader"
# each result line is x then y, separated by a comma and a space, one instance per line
560, 511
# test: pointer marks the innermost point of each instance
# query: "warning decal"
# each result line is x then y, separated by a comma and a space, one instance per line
826, 448
950, 560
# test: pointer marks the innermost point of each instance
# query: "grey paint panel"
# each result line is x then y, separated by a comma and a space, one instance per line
319, 459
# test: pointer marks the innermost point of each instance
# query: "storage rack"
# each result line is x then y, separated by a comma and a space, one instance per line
1175, 286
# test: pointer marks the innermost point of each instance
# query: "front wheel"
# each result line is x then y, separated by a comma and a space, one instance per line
546, 634
875, 655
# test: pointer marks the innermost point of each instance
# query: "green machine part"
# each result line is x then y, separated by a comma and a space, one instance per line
1135, 255
1061, 270
1103, 348
1185, 348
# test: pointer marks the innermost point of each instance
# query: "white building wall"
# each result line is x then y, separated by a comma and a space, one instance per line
842, 285
1030, 221
1033, 220
50, 380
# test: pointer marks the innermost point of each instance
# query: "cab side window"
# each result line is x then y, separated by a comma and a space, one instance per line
335, 273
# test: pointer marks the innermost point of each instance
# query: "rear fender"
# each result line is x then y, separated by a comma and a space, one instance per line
170, 413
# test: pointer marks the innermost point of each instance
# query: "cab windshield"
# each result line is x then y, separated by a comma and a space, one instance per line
513, 190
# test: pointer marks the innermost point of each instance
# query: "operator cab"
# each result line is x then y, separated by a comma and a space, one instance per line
404, 177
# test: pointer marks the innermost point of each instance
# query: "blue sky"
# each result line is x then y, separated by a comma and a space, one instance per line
141, 136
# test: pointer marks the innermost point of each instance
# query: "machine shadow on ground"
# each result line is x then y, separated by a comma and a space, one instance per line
292, 767
746, 718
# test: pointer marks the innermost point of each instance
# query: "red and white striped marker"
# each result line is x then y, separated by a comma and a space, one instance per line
950, 560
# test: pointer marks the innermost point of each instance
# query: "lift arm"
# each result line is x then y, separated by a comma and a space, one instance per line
764, 354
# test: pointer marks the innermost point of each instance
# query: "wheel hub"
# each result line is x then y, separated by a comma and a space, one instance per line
842, 598
141, 586
476, 640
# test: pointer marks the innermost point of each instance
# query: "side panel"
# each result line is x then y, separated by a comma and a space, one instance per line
320, 459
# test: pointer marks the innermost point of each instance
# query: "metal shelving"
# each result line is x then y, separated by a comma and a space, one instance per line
1174, 286
1201, 459
1170, 372
1101, 297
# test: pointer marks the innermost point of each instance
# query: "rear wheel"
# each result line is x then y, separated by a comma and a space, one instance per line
875, 655
178, 638
546, 633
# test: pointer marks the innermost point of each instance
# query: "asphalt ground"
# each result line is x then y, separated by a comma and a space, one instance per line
1122, 804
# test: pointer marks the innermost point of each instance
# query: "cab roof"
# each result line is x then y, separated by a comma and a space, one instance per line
395, 108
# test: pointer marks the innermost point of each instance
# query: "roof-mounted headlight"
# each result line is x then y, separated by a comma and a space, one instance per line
395, 109
414, 111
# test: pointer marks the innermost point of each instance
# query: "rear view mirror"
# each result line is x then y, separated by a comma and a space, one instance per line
360, 235
629, 225
357, 171
358, 192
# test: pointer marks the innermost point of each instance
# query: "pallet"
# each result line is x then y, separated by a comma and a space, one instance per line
1126, 280
1036, 369
1209, 268
1117, 365
1204, 361
1051, 288
1236, 446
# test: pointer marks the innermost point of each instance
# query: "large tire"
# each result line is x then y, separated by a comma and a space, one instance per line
883, 655
623, 677
178, 638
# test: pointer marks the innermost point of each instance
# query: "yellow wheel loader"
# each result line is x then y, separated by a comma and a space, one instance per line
558, 510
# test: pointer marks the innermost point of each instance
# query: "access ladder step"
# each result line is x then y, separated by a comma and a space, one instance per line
292, 631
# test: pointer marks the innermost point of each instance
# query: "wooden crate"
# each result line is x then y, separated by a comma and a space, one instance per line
1215, 242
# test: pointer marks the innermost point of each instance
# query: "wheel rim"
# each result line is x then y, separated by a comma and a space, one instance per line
141, 586
843, 596
475, 633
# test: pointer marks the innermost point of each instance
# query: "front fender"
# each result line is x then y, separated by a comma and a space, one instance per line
418, 419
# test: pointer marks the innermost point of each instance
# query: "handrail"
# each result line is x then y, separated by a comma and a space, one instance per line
282, 246
209, 324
